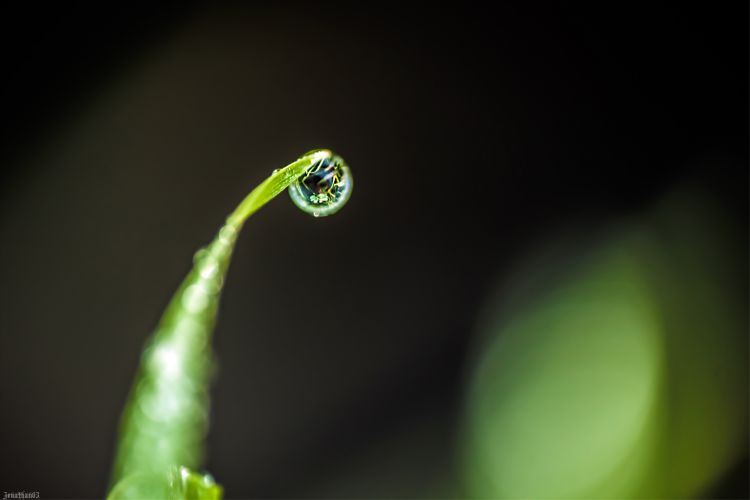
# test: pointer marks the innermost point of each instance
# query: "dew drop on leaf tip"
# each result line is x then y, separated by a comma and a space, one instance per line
325, 186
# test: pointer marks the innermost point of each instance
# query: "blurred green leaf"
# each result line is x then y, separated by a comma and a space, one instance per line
616, 368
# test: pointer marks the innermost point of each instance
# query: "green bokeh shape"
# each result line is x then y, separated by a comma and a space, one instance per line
564, 400
620, 372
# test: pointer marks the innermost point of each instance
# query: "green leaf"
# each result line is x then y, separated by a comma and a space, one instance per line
179, 483
166, 418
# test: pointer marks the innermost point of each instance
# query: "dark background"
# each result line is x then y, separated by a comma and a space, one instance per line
130, 132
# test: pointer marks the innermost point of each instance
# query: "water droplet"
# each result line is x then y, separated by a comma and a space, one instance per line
189, 333
209, 269
227, 235
199, 255
324, 188
166, 359
195, 299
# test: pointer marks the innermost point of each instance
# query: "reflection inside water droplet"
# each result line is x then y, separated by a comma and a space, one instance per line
324, 188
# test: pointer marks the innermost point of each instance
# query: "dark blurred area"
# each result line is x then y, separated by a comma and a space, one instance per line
473, 134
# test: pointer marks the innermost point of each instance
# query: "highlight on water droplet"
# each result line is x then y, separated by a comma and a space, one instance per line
195, 298
325, 187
